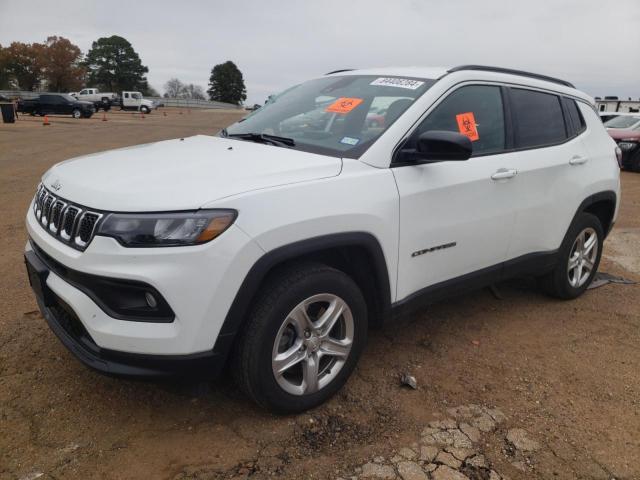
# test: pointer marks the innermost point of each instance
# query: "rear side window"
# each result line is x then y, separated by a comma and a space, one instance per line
576, 119
539, 118
475, 111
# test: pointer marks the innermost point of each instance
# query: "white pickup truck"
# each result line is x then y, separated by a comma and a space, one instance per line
99, 99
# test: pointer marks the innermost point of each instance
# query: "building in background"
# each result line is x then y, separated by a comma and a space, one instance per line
614, 104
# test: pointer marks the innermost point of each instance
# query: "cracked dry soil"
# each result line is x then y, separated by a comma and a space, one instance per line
565, 373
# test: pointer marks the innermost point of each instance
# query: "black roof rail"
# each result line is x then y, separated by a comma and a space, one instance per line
485, 68
340, 71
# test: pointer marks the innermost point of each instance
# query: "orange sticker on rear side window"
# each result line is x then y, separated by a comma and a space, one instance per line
467, 125
343, 105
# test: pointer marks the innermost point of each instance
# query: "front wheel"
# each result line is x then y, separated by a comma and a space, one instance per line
303, 338
145, 110
579, 257
76, 113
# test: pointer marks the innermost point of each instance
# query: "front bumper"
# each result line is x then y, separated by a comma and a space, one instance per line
199, 283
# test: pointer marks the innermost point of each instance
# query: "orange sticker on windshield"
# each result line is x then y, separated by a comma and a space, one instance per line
467, 125
343, 105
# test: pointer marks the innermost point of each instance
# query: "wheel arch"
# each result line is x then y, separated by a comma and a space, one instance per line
603, 206
359, 254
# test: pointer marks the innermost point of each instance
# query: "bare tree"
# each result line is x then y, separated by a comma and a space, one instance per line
194, 91
174, 88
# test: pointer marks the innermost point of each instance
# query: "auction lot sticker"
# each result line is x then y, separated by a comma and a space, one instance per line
397, 82
343, 105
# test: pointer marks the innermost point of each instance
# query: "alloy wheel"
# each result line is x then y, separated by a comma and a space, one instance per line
312, 344
582, 258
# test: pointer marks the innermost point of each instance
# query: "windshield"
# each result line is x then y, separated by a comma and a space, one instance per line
338, 116
623, 121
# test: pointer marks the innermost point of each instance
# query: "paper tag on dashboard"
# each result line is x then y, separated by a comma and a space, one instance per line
397, 82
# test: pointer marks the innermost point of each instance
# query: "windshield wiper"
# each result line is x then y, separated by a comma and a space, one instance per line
262, 138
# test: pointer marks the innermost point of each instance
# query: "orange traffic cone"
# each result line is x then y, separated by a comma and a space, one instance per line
104, 117
46, 121
141, 114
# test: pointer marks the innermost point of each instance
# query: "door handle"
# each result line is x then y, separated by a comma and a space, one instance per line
504, 174
578, 160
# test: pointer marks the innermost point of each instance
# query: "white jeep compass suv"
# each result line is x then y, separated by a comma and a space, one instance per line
274, 246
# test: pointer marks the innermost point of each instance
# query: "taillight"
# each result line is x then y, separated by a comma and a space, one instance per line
619, 156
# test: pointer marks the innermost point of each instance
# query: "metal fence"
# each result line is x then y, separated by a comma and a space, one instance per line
167, 102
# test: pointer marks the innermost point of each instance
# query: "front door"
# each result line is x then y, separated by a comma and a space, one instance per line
456, 217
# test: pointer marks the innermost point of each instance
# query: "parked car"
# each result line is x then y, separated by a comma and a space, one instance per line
625, 130
606, 116
631, 122
273, 255
56, 103
100, 100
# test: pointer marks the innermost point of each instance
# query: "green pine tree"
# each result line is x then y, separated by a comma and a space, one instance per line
226, 84
114, 66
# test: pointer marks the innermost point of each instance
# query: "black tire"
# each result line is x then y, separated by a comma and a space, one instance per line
557, 283
76, 113
145, 110
252, 358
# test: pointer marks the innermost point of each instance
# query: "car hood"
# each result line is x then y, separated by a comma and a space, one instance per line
181, 174
624, 134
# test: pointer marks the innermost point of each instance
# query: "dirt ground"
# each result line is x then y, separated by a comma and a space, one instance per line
566, 372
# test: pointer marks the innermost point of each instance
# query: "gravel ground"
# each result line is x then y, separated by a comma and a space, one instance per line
561, 378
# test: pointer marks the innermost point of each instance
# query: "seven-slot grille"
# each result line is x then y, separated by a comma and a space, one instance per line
68, 222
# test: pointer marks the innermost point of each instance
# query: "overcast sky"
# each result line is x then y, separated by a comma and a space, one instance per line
592, 43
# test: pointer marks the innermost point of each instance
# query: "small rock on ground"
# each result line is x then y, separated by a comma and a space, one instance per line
472, 432
407, 453
379, 472
428, 453
448, 459
411, 471
477, 461
520, 439
447, 473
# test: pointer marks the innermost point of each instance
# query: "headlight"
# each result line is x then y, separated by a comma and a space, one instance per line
166, 229
626, 146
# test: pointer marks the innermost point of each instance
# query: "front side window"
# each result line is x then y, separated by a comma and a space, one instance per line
475, 111
340, 116
539, 118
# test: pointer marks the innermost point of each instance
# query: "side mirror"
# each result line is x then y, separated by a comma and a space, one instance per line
439, 145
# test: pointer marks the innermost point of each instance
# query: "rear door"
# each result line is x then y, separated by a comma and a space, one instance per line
550, 160
456, 217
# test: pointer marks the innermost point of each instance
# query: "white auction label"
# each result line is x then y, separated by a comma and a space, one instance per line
397, 82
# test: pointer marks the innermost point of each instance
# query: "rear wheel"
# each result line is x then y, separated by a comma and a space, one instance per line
303, 339
76, 113
579, 258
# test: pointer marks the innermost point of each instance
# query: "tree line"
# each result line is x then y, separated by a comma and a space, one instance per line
111, 64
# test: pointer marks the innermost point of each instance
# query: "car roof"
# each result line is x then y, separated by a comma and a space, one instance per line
476, 72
